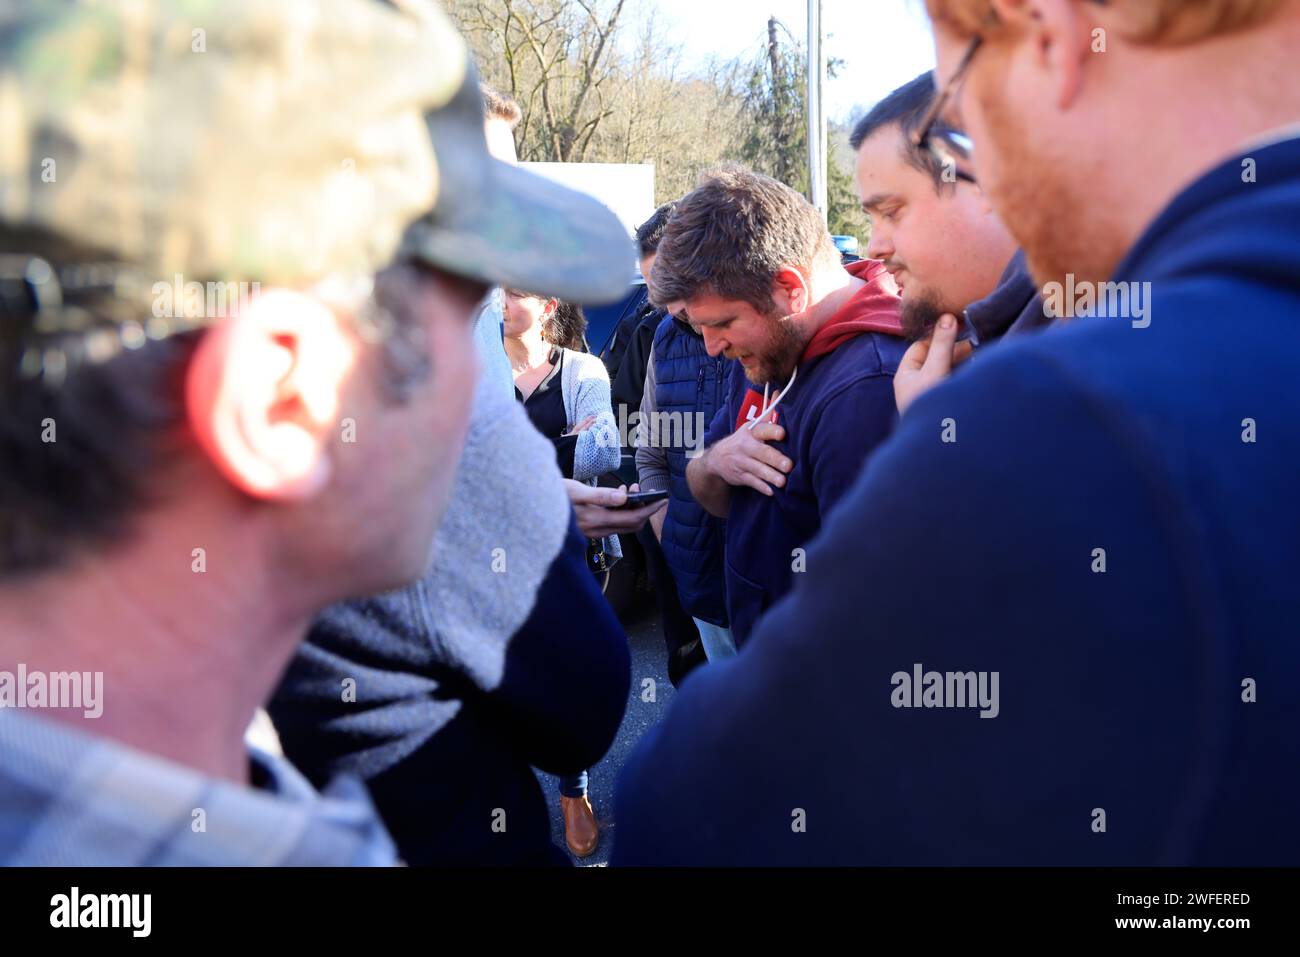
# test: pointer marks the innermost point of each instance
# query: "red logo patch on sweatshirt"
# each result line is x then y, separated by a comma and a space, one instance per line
750, 409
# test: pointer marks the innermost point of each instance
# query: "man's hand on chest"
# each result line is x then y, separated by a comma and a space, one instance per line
745, 458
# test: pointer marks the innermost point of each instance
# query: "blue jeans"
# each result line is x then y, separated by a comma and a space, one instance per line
574, 785
717, 641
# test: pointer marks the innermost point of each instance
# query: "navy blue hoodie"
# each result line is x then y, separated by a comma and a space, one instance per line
840, 407
1115, 532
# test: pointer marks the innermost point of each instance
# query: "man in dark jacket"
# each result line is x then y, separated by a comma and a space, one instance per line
685, 650
749, 262
504, 656
684, 388
627, 381
1054, 621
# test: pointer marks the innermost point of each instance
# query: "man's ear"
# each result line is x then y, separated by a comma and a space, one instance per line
790, 285
1062, 38
263, 395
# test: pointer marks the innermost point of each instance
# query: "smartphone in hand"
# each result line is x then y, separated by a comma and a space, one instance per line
638, 499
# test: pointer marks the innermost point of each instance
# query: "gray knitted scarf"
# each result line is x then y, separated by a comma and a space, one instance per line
504, 526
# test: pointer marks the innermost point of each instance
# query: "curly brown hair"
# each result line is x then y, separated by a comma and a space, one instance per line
567, 327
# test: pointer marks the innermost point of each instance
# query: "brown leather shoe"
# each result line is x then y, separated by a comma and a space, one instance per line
580, 830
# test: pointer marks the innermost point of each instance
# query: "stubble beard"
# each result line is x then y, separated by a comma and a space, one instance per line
778, 361
1045, 204
920, 314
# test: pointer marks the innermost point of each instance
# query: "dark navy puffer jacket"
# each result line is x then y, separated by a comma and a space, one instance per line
689, 387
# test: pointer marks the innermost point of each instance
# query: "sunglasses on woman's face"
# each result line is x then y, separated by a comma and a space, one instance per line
952, 149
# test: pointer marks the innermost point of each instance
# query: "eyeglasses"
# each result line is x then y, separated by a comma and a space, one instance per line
952, 148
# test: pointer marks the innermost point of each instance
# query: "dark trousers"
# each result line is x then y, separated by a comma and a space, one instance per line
682, 638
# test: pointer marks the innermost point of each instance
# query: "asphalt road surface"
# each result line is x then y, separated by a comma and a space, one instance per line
649, 662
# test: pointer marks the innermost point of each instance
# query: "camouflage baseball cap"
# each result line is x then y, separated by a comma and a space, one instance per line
278, 141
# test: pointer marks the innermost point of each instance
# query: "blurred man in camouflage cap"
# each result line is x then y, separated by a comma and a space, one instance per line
215, 418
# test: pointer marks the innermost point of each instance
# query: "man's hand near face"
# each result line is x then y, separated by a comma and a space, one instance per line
929, 362
741, 459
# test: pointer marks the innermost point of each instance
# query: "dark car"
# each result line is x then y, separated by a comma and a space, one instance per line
604, 321
848, 247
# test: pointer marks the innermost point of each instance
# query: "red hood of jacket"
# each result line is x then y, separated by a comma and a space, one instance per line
874, 308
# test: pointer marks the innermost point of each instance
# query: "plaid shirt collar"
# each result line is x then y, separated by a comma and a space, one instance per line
72, 799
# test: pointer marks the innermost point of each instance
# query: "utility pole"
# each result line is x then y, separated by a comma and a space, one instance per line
816, 117
779, 137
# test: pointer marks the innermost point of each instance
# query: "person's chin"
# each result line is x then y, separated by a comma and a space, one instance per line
755, 371
396, 568
764, 374
920, 313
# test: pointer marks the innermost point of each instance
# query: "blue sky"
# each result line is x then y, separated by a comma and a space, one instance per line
884, 43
